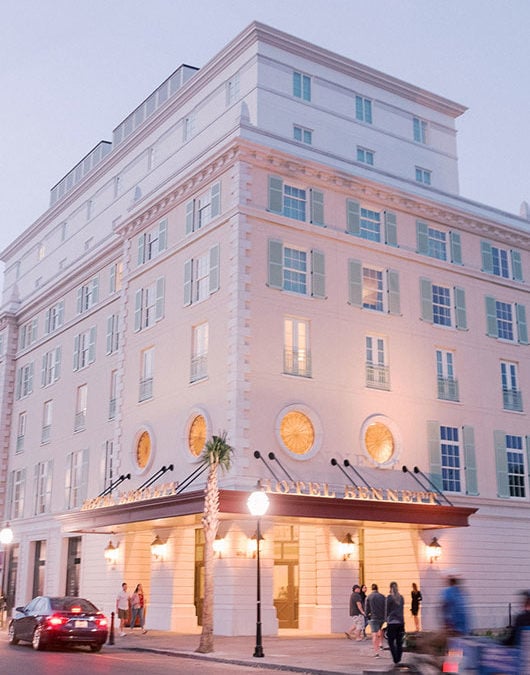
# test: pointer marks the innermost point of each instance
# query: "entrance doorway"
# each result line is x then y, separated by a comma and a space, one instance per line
198, 584
285, 578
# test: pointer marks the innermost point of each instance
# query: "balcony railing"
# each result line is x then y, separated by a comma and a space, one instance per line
45, 433
20, 443
512, 399
80, 420
146, 389
377, 377
297, 362
448, 389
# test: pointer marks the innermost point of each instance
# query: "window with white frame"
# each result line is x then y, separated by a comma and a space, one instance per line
203, 209
16, 494
201, 276
373, 288
232, 89
445, 373
512, 398
84, 348
87, 295
451, 460
149, 305
76, 475
24, 386
113, 394
115, 277
365, 156
295, 201
506, 321
54, 317
437, 243
147, 362
363, 109
370, 224
302, 135
296, 270
22, 424
515, 465
377, 371
297, 352
110, 464
419, 130
46, 430
42, 487
152, 243
301, 86
113, 333
423, 175
443, 305
81, 401
501, 262
51, 366
199, 352
27, 334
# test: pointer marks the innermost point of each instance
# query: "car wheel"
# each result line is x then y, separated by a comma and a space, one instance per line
96, 647
37, 641
11, 636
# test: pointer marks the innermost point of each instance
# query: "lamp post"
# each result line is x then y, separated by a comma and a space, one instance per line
6, 537
258, 503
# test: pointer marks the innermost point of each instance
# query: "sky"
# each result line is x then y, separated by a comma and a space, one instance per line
71, 70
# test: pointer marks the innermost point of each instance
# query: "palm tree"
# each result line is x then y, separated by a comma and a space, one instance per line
217, 453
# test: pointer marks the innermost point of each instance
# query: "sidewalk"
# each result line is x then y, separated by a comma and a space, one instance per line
319, 655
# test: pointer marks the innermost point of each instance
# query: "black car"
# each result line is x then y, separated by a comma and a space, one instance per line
47, 621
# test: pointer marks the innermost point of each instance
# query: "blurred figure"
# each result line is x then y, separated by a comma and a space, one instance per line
395, 630
375, 611
522, 620
416, 598
455, 615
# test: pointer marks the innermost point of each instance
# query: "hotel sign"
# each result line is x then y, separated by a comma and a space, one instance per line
131, 496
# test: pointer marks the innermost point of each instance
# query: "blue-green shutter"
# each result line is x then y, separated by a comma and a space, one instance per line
353, 217
390, 228
491, 317
318, 274
188, 270
213, 281
355, 283
522, 330
58, 355
317, 207
517, 267
422, 237
468, 434
162, 235
460, 308
84, 477
215, 200
141, 249
44, 368
92, 345
76, 353
426, 299
487, 257
79, 301
159, 302
110, 333
18, 390
435, 453
394, 304
455, 243
190, 216
501, 462
275, 264
275, 194
527, 441
138, 305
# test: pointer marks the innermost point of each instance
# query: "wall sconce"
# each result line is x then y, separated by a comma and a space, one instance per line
434, 550
252, 544
347, 547
219, 546
158, 548
111, 554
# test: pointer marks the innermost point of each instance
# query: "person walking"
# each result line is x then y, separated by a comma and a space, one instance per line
122, 607
416, 598
375, 611
395, 620
454, 608
356, 631
138, 608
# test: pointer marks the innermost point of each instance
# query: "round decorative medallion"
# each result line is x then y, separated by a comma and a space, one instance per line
297, 432
379, 442
197, 435
143, 450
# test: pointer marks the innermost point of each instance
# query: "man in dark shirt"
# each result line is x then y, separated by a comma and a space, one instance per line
375, 611
356, 631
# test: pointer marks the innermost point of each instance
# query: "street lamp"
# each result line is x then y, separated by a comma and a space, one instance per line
258, 503
6, 538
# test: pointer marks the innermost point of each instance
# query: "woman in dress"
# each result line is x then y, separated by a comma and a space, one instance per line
138, 607
416, 598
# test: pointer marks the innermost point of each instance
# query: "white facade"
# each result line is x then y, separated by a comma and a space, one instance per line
274, 246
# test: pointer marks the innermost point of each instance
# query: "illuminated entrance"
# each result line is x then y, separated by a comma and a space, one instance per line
286, 575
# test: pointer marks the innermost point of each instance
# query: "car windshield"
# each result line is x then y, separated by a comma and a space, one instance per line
72, 605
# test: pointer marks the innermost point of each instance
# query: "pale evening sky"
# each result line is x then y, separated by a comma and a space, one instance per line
71, 70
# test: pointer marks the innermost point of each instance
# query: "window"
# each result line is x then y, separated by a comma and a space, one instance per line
199, 352
434, 243
363, 109
450, 459
24, 381
21, 431
54, 317
190, 124
302, 135
116, 277
442, 305
377, 371
296, 354
43, 487
506, 321
292, 201
366, 223
510, 464
85, 348
110, 461
423, 176
365, 156
445, 372
296, 270
151, 244
27, 334
51, 367
76, 478
302, 86
113, 333
16, 493
372, 288
511, 395
501, 262
113, 394
81, 407
201, 276
232, 89
146, 374
200, 211
87, 295
47, 410
149, 305
419, 130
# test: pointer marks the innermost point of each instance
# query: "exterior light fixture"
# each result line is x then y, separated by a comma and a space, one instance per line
111, 553
347, 547
434, 550
252, 545
219, 546
158, 548
258, 504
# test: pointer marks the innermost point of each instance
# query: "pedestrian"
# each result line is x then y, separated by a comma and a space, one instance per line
416, 598
122, 607
395, 620
364, 594
356, 631
454, 608
522, 620
375, 611
138, 608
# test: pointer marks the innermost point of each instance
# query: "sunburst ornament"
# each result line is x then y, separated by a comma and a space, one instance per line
297, 432
143, 450
197, 435
379, 442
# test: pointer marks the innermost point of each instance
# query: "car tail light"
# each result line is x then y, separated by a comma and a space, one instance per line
56, 620
75, 610
101, 621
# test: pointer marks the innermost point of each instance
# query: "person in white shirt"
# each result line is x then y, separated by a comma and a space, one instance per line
123, 600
